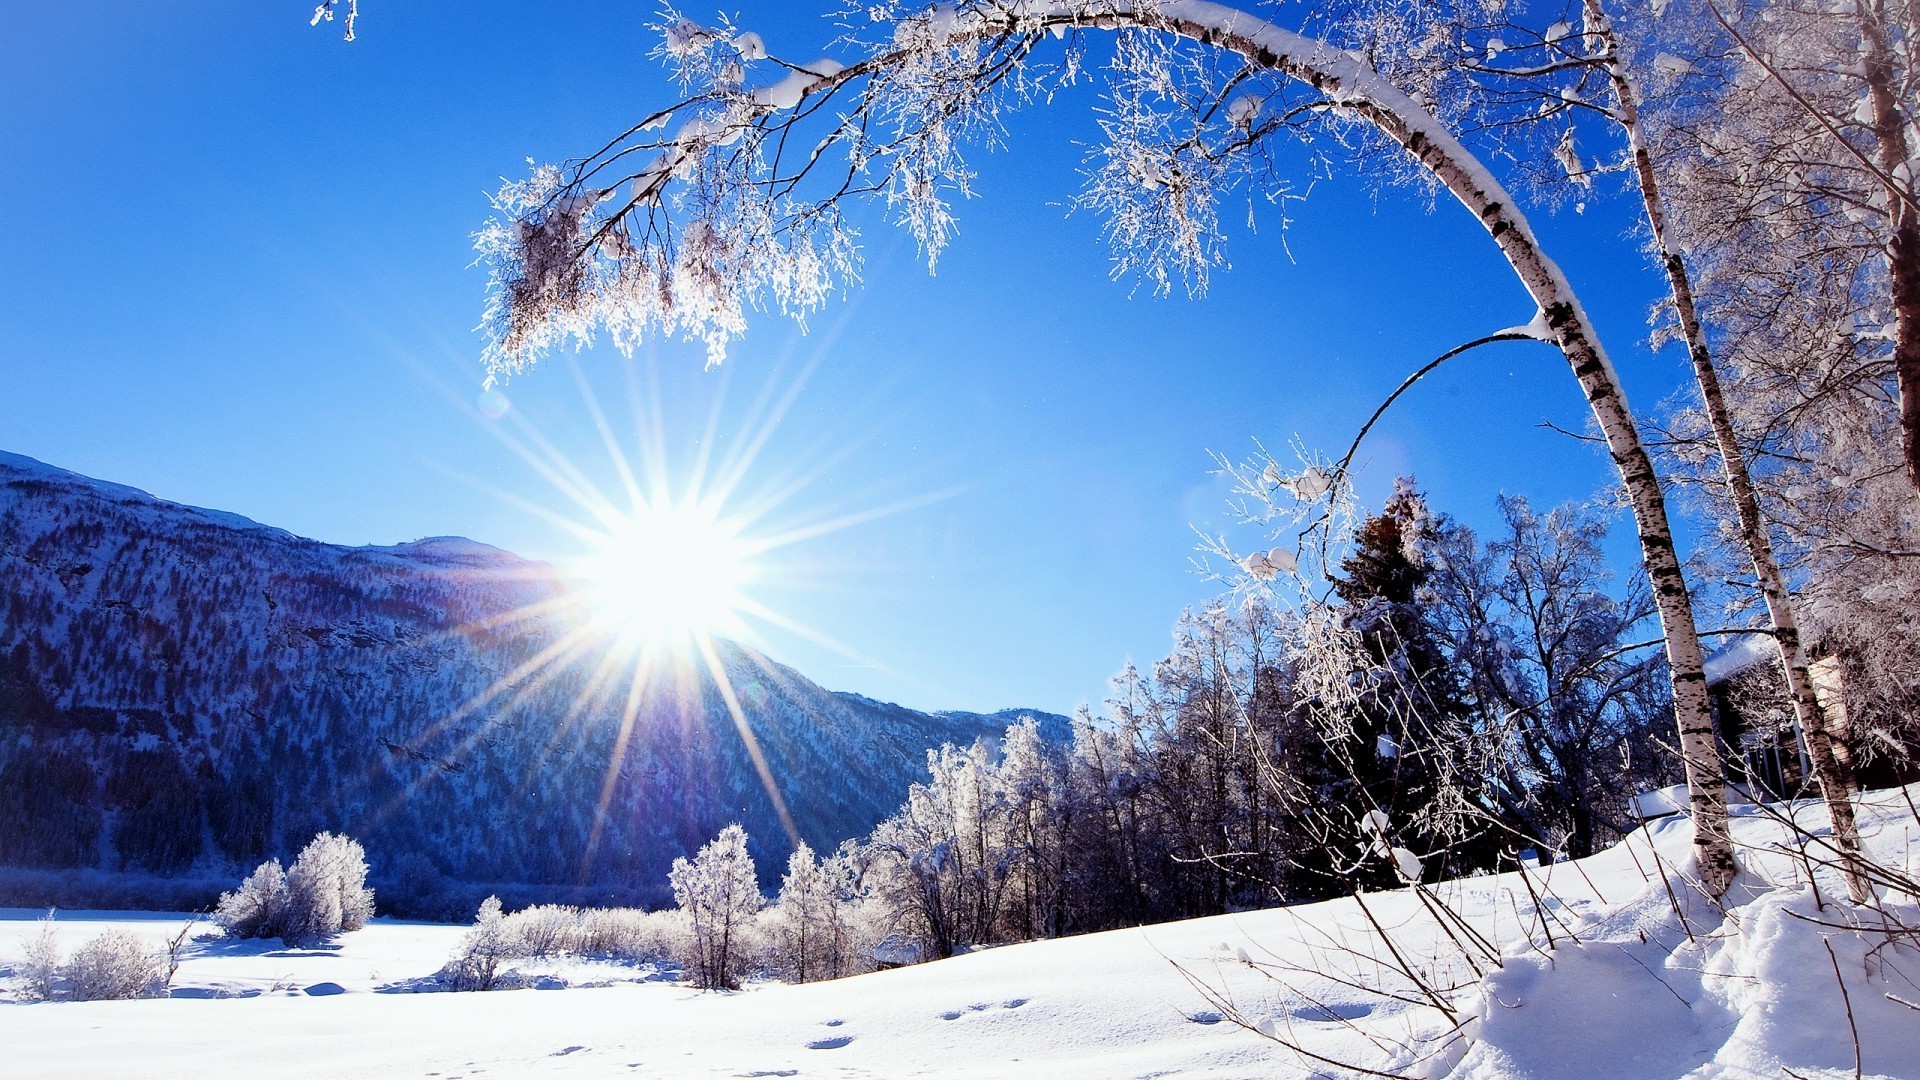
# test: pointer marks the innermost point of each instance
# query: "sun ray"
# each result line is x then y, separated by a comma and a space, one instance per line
748, 739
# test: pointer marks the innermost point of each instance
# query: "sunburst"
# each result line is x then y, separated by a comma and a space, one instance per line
669, 566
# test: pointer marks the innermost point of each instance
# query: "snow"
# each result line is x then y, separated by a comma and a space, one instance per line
1740, 654
1623, 989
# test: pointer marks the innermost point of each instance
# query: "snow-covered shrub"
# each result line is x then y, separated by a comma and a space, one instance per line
633, 934
476, 964
327, 888
41, 963
324, 894
257, 908
719, 895
112, 966
543, 930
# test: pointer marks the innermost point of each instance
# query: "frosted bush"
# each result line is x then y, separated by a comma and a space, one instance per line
543, 930
257, 908
476, 965
41, 962
324, 894
113, 966
626, 933
327, 888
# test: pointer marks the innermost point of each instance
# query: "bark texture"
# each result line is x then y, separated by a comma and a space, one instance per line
1835, 774
1903, 249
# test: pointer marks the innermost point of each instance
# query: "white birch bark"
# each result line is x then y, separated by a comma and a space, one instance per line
1835, 775
1903, 250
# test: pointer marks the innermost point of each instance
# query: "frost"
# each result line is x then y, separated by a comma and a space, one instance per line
686, 39
1672, 66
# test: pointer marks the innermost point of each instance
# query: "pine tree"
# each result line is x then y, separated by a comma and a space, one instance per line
1393, 745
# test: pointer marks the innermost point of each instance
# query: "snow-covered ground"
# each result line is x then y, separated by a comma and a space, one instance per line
1622, 990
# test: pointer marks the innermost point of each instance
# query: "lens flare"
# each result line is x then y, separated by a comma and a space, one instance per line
667, 573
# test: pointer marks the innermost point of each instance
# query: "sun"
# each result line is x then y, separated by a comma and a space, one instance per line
667, 573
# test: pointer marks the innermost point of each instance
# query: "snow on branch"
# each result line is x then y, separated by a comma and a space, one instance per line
731, 200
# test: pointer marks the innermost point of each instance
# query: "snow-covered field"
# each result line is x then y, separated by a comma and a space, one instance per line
1620, 991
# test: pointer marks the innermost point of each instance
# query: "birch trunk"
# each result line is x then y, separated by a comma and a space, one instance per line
1837, 782
1364, 94
1903, 251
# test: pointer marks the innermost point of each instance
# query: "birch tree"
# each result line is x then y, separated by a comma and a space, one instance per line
1534, 77
1776, 141
732, 198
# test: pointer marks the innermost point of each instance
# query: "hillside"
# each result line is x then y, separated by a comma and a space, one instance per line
185, 691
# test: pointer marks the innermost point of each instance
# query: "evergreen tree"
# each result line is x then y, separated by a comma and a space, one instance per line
1393, 745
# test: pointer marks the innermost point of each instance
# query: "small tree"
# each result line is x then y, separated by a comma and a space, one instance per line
41, 963
813, 923
476, 965
328, 888
719, 895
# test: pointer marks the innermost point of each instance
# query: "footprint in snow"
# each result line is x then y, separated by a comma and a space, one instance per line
832, 1023
955, 1014
1204, 1017
1332, 1013
564, 1052
834, 1043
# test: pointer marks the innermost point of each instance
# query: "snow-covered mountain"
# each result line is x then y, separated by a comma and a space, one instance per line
185, 690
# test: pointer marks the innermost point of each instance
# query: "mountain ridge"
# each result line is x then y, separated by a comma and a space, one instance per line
188, 690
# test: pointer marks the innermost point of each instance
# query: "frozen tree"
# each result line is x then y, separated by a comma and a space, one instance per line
1402, 743
814, 924
719, 896
327, 889
1567, 709
1773, 147
733, 198
945, 862
258, 907
1557, 79
324, 894
484, 948
40, 961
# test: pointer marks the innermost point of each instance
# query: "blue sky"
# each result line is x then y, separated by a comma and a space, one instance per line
235, 258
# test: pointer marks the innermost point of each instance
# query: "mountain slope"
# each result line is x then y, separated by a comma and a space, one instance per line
188, 690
